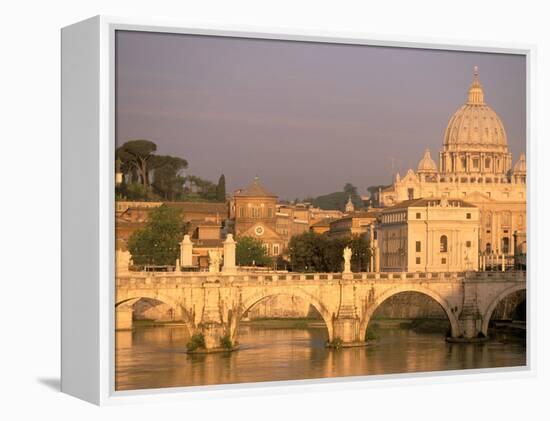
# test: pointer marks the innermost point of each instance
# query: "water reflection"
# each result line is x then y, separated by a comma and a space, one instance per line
153, 357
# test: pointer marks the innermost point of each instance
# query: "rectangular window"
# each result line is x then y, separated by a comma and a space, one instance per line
418, 246
410, 193
241, 212
443, 261
468, 244
475, 162
275, 249
418, 216
418, 260
468, 216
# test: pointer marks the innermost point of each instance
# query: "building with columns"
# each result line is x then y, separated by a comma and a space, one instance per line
476, 167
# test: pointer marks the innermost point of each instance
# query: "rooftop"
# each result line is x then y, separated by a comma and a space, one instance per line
430, 202
254, 190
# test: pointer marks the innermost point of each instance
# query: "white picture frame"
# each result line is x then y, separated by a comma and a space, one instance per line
88, 55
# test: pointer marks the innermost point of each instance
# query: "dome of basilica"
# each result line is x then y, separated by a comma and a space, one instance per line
475, 126
427, 164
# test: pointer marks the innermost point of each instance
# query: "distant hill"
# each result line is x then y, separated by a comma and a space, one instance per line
338, 200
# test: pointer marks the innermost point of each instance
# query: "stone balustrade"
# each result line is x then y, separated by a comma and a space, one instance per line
197, 278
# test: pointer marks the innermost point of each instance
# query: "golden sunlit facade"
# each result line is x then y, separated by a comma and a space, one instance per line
475, 166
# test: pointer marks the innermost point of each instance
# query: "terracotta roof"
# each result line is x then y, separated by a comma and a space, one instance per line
419, 203
359, 214
323, 222
128, 224
254, 190
200, 207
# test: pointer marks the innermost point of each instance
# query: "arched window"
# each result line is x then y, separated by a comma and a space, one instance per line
443, 244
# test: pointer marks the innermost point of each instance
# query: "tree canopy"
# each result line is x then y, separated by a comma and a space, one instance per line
251, 252
135, 156
338, 200
148, 176
167, 180
373, 192
312, 252
220, 189
157, 243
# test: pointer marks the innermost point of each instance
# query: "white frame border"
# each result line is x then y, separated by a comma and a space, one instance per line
107, 394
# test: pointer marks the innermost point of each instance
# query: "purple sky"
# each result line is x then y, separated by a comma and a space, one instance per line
305, 117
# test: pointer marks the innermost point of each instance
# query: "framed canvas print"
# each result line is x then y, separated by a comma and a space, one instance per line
244, 209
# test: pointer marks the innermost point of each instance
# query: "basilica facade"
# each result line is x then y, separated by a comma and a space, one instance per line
476, 167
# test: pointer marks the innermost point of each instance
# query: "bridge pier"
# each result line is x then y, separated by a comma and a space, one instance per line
123, 317
470, 319
213, 332
346, 325
214, 329
347, 333
471, 327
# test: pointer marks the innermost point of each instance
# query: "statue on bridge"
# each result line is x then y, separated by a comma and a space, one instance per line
214, 260
347, 260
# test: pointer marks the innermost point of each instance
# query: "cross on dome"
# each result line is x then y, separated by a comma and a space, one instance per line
475, 94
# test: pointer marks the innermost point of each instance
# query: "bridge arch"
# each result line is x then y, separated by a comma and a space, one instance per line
453, 319
146, 294
491, 308
256, 298
132, 298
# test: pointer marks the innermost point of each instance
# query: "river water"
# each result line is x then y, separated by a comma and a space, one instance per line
154, 357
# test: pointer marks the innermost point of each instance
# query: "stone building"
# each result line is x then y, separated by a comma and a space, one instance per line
429, 235
292, 219
354, 223
475, 166
321, 227
318, 214
255, 215
205, 219
349, 208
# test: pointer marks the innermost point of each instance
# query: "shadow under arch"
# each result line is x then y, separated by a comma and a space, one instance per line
489, 312
445, 306
179, 310
259, 297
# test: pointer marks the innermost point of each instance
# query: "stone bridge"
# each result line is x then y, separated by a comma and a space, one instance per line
214, 303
